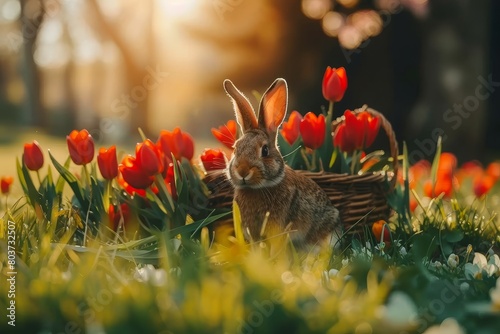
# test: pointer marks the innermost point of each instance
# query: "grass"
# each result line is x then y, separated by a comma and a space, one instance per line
75, 274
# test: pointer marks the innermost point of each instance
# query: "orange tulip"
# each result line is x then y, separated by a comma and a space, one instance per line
443, 185
81, 146
213, 159
381, 232
334, 84
312, 129
107, 162
447, 165
33, 156
493, 170
291, 129
226, 134
5, 183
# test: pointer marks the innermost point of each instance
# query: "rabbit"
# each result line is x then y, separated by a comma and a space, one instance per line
265, 188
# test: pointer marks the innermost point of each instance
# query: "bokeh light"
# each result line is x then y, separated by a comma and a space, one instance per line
332, 23
11, 10
350, 37
316, 9
348, 3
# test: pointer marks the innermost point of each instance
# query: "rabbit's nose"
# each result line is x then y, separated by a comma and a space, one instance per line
243, 173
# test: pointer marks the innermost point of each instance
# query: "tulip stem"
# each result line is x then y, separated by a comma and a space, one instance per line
306, 160
354, 161
163, 192
86, 176
38, 176
313, 166
330, 109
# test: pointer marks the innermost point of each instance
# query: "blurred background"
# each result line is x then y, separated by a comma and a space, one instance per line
111, 66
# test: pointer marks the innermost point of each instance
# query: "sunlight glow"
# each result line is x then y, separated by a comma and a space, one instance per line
11, 10
179, 8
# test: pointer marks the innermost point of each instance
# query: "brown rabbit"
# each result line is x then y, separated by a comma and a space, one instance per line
264, 184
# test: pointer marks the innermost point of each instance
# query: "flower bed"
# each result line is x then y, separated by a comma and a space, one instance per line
95, 245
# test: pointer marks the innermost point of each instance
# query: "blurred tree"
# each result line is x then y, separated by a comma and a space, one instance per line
31, 18
138, 61
455, 93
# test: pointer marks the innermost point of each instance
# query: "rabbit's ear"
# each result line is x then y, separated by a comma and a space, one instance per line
273, 106
245, 115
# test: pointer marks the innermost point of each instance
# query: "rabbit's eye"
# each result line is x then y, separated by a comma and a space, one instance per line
265, 151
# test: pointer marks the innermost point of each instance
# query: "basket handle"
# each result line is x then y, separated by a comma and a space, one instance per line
390, 135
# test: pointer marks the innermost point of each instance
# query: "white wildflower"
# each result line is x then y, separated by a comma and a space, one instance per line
400, 309
448, 326
150, 274
464, 287
453, 260
333, 272
495, 295
403, 251
437, 265
481, 267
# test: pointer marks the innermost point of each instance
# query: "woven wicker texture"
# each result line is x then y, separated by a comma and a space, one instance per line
361, 199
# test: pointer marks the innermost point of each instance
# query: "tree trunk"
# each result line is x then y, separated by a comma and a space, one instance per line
31, 20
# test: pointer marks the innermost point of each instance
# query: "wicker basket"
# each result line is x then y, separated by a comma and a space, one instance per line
361, 199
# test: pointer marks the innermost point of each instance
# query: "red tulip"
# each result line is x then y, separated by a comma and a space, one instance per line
81, 147
33, 156
107, 162
133, 174
381, 232
357, 132
5, 183
149, 158
128, 188
226, 134
291, 129
170, 181
334, 84
372, 125
213, 159
483, 184
117, 215
178, 143
312, 129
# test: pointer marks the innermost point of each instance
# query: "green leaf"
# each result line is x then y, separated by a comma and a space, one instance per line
326, 150
435, 162
407, 186
454, 236
334, 157
238, 229
71, 179
423, 246
27, 184
184, 229
290, 153
60, 180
